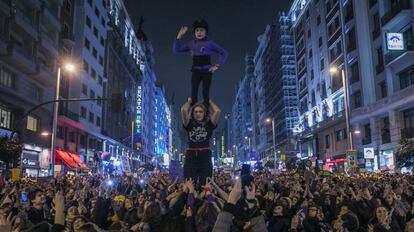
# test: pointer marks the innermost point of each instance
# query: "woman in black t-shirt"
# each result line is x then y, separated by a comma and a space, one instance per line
199, 129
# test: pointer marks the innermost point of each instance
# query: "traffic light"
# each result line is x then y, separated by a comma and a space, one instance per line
116, 102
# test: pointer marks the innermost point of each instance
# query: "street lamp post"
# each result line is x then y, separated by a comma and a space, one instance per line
334, 70
272, 120
70, 68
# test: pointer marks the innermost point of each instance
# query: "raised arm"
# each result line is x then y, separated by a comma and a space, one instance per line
215, 114
185, 114
178, 45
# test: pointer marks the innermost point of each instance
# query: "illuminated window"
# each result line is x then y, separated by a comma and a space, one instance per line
5, 118
32, 123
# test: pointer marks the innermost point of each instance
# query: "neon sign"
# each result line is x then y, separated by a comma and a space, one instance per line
138, 119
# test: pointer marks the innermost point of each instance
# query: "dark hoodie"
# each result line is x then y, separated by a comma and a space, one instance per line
278, 224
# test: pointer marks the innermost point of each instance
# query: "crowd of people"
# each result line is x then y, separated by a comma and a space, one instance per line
156, 202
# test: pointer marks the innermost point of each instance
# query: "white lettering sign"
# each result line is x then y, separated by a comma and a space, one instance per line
138, 119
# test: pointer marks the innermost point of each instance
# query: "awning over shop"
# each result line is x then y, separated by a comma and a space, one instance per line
71, 160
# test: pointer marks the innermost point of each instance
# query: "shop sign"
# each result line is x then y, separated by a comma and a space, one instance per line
30, 159
395, 41
369, 153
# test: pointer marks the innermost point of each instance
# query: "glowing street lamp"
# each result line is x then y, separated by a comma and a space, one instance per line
333, 70
45, 133
70, 67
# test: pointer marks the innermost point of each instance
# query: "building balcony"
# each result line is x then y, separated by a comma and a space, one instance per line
49, 44
43, 75
68, 114
51, 17
331, 12
407, 133
399, 10
27, 23
396, 58
20, 58
334, 37
398, 100
302, 71
67, 38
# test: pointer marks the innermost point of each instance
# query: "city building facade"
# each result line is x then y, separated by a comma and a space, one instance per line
176, 126
80, 122
161, 123
371, 41
265, 71
123, 78
140, 48
285, 92
274, 111
148, 102
382, 99
241, 117
29, 51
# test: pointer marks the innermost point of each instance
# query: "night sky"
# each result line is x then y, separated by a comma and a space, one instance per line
234, 24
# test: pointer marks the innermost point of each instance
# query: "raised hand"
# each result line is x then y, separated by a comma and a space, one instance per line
250, 192
6, 222
370, 228
208, 184
59, 202
295, 222
190, 185
235, 193
182, 31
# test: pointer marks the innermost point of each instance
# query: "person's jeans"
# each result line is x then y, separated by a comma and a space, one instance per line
198, 166
196, 79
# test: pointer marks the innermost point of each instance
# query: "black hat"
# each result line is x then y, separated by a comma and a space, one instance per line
200, 23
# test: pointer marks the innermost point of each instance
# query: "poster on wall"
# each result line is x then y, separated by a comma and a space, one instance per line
386, 160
